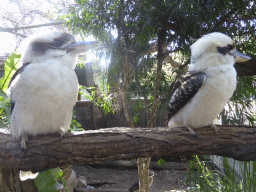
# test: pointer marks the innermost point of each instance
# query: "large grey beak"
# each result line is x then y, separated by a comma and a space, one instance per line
240, 57
81, 46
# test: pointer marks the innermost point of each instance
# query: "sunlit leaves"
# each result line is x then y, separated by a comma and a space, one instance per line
10, 66
45, 181
100, 98
161, 162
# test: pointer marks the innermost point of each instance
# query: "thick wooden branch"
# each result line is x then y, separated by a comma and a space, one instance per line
122, 143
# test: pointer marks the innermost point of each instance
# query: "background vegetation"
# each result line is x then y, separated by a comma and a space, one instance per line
143, 40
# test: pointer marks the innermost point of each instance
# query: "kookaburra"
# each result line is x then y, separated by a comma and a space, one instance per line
44, 89
202, 92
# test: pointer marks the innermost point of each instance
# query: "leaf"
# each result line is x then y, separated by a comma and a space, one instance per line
10, 66
57, 172
5, 111
160, 162
45, 181
5, 104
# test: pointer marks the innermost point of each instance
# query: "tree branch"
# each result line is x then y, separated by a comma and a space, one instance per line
10, 31
34, 26
45, 152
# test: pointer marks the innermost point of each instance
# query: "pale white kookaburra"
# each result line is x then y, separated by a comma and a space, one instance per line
44, 89
202, 92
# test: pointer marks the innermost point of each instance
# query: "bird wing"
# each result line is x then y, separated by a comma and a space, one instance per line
13, 77
185, 88
17, 73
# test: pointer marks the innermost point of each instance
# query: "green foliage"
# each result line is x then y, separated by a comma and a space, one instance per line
248, 174
147, 73
100, 98
205, 178
45, 181
143, 19
137, 109
10, 66
75, 126
5, 111
161, 162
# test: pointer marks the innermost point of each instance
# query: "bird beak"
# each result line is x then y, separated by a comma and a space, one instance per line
81, 46
240, 57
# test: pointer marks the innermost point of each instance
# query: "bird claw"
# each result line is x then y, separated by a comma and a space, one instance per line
65, 134
215, 128
192, 131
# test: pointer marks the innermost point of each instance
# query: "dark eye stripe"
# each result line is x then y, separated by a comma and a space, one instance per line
225, 50
41, 47
222, 50
229, 47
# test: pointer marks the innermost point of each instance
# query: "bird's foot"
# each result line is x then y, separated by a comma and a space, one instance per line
215, 128
65, 134
192, 131
23, 143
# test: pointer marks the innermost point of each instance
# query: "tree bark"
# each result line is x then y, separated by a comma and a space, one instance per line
49, 151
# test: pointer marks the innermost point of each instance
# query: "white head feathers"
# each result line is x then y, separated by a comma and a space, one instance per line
212, 50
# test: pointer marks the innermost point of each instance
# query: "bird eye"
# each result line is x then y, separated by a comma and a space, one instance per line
229, 47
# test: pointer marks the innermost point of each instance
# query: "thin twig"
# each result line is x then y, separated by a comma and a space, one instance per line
10, 31
34, 26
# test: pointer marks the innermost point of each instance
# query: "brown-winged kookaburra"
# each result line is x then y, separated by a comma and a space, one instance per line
44, 89
202, 92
